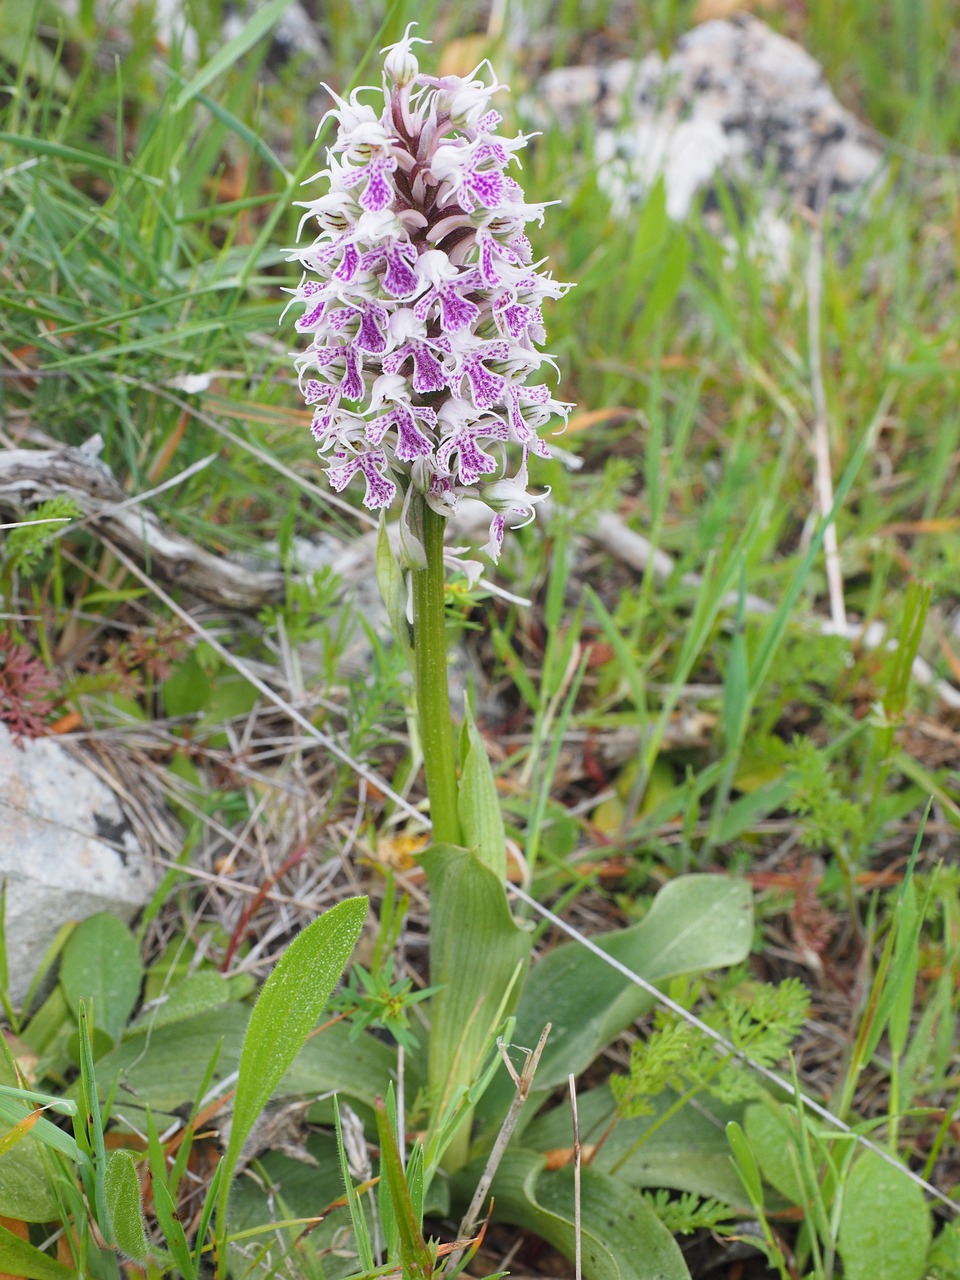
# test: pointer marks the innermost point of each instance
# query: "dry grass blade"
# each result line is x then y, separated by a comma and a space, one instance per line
578, 1233
821, 426
522, 1083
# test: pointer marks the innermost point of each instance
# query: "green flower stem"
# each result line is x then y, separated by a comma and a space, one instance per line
433, 696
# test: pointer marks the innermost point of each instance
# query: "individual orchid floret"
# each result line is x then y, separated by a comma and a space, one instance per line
421, 303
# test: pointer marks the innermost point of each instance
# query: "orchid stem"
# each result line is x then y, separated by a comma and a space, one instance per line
433, 696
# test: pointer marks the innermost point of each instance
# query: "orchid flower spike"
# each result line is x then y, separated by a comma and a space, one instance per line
422, 304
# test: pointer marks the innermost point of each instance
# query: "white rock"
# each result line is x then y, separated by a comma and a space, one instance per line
66, 851
733, 99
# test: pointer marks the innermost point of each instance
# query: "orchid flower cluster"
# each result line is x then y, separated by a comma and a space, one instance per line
424, 305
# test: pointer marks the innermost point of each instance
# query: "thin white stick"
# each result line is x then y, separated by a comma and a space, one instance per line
28, 524
578, 1245
779, 1081
821, 426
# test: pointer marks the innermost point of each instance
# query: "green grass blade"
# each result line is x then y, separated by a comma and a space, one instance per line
290, 1003
358, 1220
416, 1256
258, 26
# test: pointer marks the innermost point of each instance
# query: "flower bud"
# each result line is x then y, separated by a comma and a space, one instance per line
400, 64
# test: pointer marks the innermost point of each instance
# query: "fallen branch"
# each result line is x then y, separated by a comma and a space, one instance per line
29, 476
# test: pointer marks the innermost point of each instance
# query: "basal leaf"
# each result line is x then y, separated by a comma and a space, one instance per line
196, 993
481, 821
622, 1237
101, 965
172, 1072
476, 948
25, 1190
290, 1189
696, 923
19, 1258
689, 1152
773, 1134
358, 1067
884, 1224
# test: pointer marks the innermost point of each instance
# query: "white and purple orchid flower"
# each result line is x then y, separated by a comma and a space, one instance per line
422, 304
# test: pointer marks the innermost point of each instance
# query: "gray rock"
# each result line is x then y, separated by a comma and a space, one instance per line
732, 99
66, 851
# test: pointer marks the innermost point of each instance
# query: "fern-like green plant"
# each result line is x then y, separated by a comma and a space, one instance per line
26, 544
759, 1020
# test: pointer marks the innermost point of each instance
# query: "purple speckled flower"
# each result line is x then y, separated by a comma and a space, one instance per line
423, 304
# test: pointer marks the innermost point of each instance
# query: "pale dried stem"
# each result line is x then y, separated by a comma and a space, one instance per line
578, 1233
522, 1083
821, 425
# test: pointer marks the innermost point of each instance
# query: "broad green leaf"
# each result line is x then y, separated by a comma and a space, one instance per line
101, 965
19, 1258
232, 696
292, 999
884, 1224
197, 993
359, 1067
945, 1251
696, 923
476, 948
746, 1163
187, 688
122, 1188
25, 1190
688, 1152
172, 1072
622, 1237
481, 821
291, 1190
